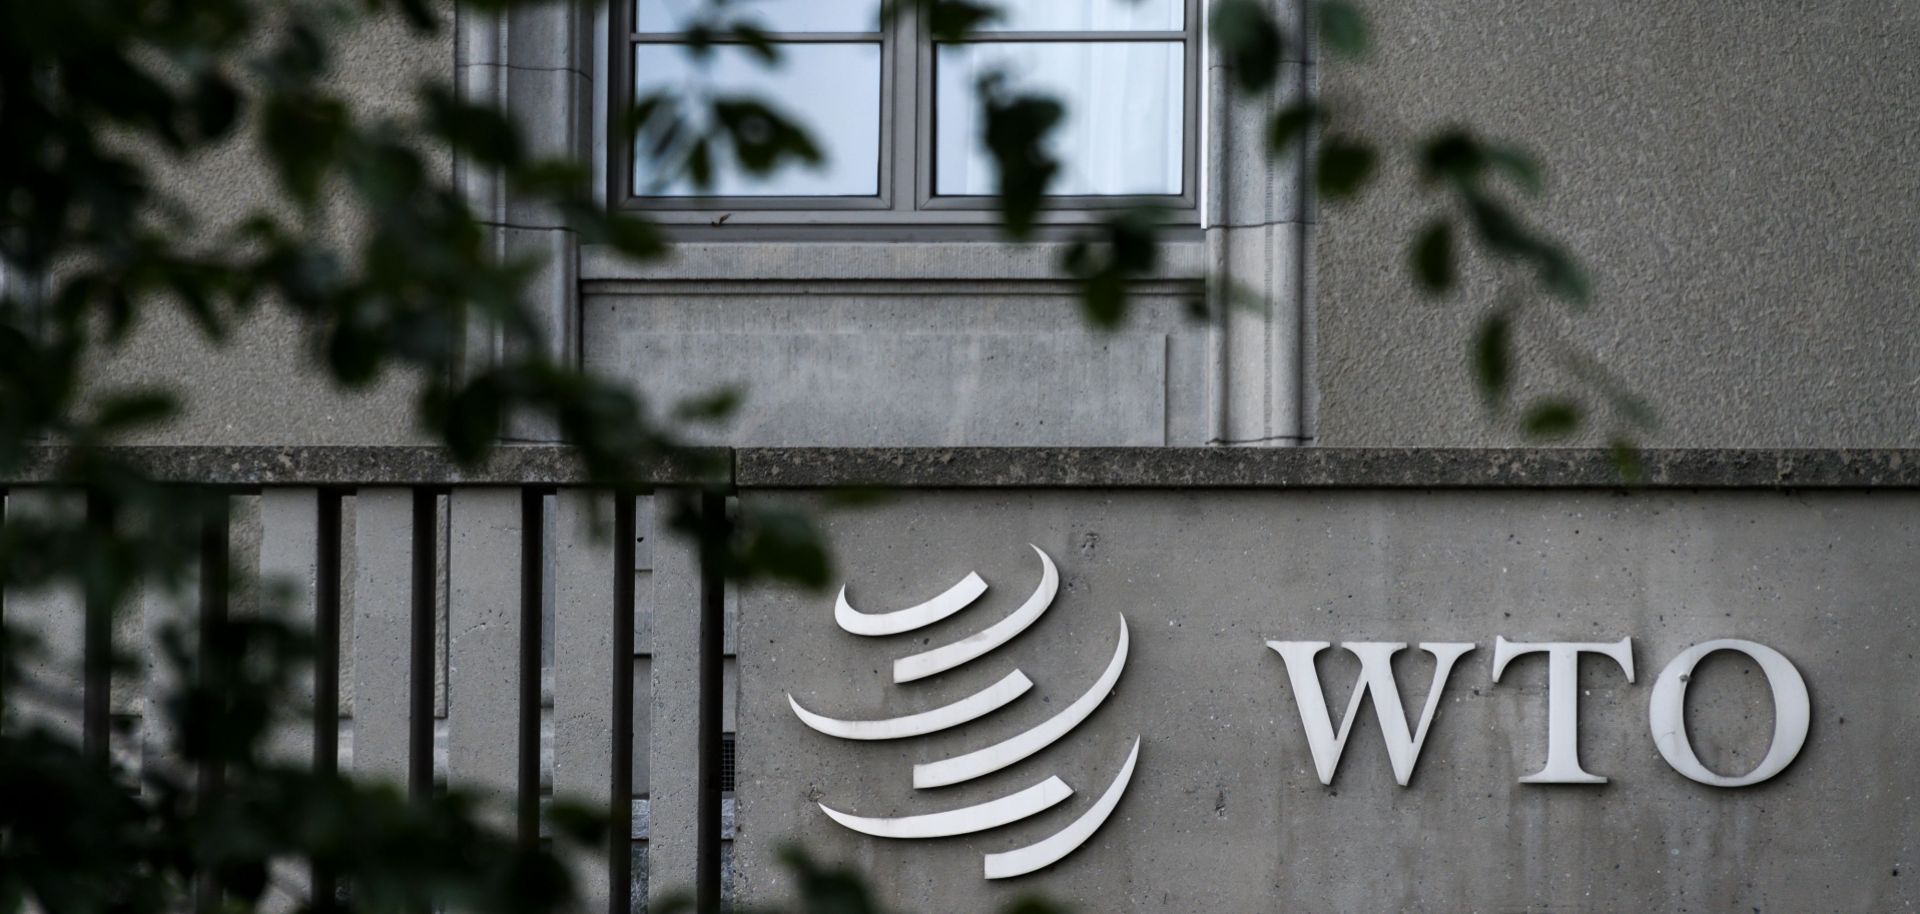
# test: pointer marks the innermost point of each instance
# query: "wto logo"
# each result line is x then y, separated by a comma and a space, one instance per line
983, 761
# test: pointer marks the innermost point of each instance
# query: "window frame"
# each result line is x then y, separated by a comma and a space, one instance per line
906, 135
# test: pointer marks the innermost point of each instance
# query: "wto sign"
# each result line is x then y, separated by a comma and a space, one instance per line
1376, 683
962, 768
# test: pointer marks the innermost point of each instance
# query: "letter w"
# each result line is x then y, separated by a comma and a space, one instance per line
1376, 678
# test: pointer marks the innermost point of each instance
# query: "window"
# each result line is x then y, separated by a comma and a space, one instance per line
897, 116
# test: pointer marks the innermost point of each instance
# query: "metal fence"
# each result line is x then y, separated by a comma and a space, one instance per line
471, 630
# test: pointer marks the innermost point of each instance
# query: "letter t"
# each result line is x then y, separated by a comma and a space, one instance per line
1563, 700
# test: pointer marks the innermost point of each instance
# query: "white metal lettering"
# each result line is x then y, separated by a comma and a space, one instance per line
1376, 678
1563, 700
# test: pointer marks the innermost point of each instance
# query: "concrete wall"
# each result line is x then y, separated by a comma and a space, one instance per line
265, 385
1738, 181
1738, 177
1225, 812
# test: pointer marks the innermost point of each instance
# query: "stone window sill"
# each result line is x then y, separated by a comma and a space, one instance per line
828, 261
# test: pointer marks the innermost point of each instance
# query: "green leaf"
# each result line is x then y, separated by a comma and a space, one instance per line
215, 104
643, 111
420, 15
700, 165
953, 20
1553, 419
780, 545
124, 412
470, 418
756, 40
1017, 129
302, 135
1498, 228
582, 823
1346, 165
1290, 124
710, 407
1519, 167
1562, 277
481, 131
1452, 155
354, 353
1107, 259
1343, 27
1249, 41
1493, 357
762, 138
630, 235
1626, 460
1433, 258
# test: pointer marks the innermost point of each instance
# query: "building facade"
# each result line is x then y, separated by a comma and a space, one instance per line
1153, 527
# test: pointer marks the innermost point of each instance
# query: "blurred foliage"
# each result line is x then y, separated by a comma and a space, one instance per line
80, 835
369, 243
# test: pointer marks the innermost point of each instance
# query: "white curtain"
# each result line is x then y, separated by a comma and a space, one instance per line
1123, 128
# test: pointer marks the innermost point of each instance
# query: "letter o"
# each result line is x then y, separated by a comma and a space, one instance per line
1792, 712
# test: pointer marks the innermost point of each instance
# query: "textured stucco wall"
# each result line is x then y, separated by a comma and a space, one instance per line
265, 385
1740, 178
1225, 812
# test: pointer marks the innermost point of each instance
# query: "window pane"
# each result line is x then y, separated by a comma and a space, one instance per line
1123, 128
831, 90
1090, 16
772, 15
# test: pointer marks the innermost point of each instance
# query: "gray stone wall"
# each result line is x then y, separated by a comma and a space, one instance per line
1739, 178
265, 385
1225, 812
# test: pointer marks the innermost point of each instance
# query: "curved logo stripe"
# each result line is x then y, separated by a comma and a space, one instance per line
963, 821
957, 598
948, 656
972, 707
999, 755
1021, 861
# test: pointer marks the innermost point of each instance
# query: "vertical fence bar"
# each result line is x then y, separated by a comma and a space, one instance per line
215, 578
420, 667
97, 645
164, 614
484, 644
326, 671
532, 564
620, 835
714, 535
585, 617
3, 589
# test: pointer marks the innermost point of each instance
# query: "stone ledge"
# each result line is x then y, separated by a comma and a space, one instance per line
250, 466
1031, 468
1318, 468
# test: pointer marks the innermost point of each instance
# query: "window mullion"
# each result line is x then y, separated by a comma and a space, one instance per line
772, 38
903, 139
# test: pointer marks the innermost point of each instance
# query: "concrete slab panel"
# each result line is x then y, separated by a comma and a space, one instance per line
1225, 811
826, 389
